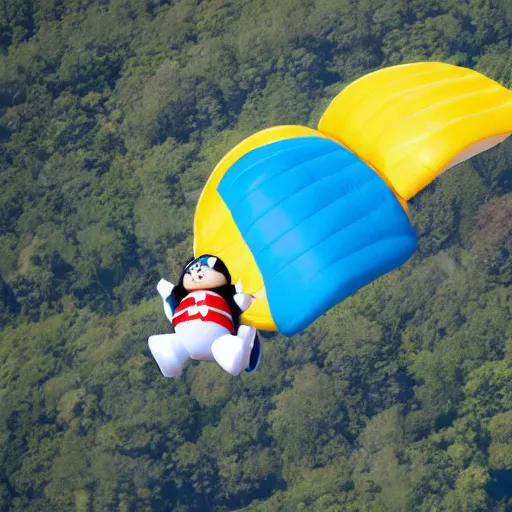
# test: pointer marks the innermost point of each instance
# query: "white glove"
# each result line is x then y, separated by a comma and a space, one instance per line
243, 300
164, 288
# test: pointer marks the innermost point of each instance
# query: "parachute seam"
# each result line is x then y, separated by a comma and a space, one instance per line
446, 125
331, 234
442, 103
424, 71
354, 110
298, 190
399, 96
434, 106
246, 231
229, 186
306, 162
379, 206
246, 169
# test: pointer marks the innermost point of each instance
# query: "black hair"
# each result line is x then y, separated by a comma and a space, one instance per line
226, 291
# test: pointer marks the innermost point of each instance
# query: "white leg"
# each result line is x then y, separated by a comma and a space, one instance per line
197, 337
232, 352
169, 353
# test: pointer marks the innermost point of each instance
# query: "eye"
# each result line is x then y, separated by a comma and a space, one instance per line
193, 268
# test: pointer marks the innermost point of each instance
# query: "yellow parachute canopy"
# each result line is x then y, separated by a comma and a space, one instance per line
414, 121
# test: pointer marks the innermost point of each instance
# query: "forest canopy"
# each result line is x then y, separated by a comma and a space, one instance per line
112, 116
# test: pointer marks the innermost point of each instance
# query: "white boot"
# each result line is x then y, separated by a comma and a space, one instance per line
169, 354
232, 353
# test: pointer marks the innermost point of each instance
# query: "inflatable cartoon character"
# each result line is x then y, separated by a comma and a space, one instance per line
204, 309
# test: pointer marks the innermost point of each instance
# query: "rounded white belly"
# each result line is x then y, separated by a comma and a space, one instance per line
197, 337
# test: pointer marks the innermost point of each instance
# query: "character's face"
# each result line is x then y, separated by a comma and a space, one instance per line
200, 275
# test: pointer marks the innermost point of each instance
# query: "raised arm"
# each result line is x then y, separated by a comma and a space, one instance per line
165, 289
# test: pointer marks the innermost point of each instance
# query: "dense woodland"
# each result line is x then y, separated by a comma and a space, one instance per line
112, 115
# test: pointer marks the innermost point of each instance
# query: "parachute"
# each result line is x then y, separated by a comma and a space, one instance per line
304, 218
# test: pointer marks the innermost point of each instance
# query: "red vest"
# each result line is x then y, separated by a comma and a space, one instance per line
204, 305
